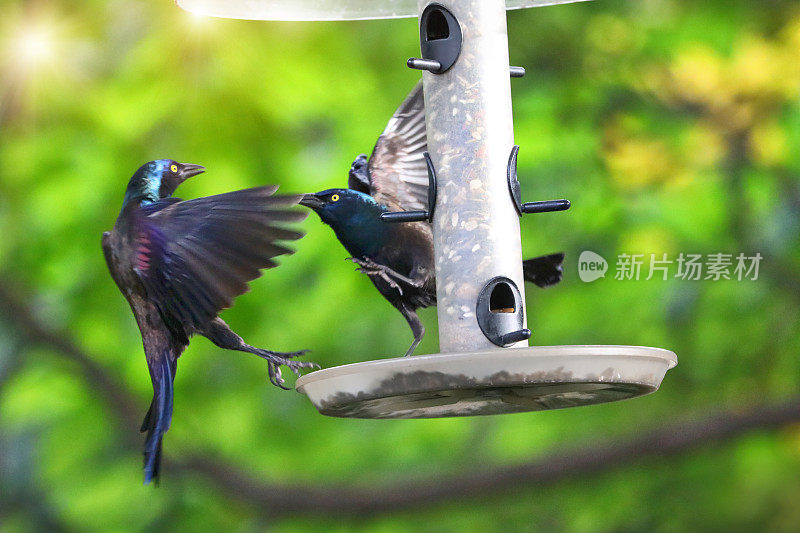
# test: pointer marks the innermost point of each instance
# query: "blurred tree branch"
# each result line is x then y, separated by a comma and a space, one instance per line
284, 499
671, 439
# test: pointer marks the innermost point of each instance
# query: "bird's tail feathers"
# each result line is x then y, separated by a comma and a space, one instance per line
158, 418
544, 271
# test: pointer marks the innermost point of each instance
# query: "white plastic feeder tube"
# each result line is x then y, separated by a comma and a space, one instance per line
470, 136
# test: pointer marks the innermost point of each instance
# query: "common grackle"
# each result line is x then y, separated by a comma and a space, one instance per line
179, 263
398, 257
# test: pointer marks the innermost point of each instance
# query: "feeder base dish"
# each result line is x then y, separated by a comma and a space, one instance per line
512, 380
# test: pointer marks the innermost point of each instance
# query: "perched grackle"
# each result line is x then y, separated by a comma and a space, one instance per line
398, 257
179, 263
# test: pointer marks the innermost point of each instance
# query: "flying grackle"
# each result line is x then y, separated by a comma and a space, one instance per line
179, 263
398, 258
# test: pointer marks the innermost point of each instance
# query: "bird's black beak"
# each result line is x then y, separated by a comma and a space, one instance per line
311, 201
189, 170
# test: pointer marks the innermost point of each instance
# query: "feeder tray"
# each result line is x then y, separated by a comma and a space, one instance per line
513, 380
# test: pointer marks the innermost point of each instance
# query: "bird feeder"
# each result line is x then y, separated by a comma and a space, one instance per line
485, 365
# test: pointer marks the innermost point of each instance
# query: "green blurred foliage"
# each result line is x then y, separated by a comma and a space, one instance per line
673, 126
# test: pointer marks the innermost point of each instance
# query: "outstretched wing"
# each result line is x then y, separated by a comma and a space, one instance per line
194, 257
397, 171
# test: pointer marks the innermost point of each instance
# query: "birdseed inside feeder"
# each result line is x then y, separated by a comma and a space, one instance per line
475, 203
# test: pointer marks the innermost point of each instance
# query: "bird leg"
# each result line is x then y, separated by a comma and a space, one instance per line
417, 328
371, 268
223, 336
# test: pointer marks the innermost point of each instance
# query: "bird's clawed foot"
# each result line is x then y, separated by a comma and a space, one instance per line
277, 359
371, 268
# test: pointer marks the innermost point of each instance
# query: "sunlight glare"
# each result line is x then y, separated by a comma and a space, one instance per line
32, 47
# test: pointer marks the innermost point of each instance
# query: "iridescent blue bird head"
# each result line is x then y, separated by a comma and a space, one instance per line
355, 217
337, 206
359, 172
158, 179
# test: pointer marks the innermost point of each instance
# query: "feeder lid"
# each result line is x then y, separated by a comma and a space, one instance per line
511, 380
323, 9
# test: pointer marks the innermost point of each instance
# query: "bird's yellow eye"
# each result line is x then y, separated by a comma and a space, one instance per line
335, 198
174, 168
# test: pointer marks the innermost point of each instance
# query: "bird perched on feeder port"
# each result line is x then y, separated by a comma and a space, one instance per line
398, 257
179, 263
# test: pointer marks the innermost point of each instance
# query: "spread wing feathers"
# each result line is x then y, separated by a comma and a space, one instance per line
194, 257
397, 169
